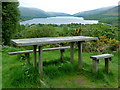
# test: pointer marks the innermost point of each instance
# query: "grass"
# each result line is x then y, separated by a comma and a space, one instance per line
0, 68
17, 74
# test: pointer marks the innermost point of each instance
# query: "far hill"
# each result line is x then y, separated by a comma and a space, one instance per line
112, 11
93, 12
29, 13
54, 14
105, 15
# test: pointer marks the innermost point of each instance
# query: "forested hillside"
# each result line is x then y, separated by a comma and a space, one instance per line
54, 14
29, 13
93, 12
105, 15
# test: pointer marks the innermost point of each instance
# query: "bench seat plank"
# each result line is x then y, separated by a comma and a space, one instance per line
101, 56
96, 59
31, 51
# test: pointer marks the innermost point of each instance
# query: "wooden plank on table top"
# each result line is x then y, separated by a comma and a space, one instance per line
51, 40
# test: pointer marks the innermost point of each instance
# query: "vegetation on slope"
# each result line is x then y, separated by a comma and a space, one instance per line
30, 13
93, 12
1, 76
54, 14
39, 30
57, 74
105, 15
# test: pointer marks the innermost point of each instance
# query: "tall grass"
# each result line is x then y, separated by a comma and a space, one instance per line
0, 67
17, 74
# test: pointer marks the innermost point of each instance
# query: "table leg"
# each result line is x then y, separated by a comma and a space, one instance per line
72, 52
107, 65
80, 55
40, 61
34, 52
95, 65
62, 54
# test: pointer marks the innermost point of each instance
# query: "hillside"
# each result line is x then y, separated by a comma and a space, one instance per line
105, 15
29, 13
93, 12
113, 11
54, 14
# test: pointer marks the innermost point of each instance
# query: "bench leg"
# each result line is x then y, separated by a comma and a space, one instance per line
72, 52
34, 52
62, 54
107, 65
40, 62
28, 57
95, 66
80, 55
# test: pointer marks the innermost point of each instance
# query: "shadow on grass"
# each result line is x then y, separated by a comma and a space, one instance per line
56, 68
100, 75
55, 61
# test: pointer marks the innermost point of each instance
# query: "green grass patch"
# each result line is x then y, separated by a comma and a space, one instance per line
57, 74
0, 67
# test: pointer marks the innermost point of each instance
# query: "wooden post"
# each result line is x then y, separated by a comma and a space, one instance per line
95, 66
80, 55
34, 52
107, 65
72, 52
40, 62
62, 54
28, 57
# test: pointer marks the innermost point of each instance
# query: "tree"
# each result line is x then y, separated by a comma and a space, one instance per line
10, 20
0, 22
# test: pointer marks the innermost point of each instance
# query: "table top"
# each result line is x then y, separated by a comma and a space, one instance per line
50, 40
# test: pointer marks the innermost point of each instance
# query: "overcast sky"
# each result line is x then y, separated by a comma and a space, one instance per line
67, 6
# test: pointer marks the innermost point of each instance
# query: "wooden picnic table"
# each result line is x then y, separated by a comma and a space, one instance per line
52, 40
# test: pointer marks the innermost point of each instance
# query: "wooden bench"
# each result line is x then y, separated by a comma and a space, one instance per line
27, 52
97, 58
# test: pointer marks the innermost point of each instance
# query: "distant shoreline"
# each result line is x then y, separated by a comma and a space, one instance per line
59, 20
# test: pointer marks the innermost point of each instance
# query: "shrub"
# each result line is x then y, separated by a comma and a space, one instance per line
37, 32
102, 45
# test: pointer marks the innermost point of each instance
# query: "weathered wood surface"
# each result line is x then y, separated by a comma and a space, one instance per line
44, 84
34, 61
96, 58
80, 55
50, 40
95, 66
102, 56
72, 52
31, 51
40, 61
107, 65
62, 54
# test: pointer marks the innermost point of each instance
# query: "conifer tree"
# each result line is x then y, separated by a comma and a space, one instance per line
10, 20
